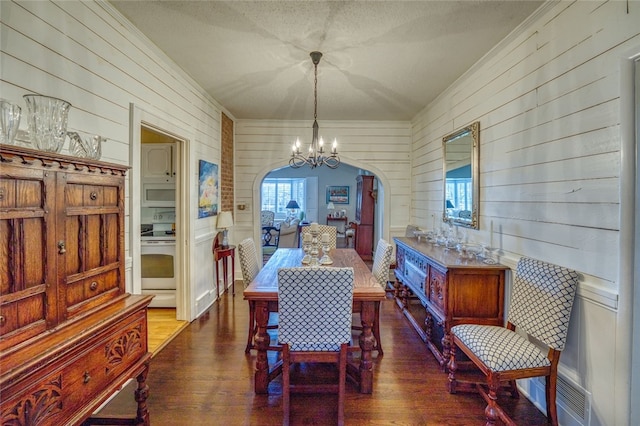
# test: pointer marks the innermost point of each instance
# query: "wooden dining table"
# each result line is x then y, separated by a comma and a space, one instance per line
263, 293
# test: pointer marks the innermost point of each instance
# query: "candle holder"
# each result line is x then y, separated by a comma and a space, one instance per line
313, 251
306, 247
325, 260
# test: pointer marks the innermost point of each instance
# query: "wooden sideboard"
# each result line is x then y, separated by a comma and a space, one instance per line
69, 334
437, 289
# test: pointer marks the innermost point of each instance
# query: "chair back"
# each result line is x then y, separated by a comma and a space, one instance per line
267, 218
249, 262
382, 259
542, 299
314, 307
270, 239
324, 229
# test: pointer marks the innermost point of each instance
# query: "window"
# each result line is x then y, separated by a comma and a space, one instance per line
459, 193
277, 192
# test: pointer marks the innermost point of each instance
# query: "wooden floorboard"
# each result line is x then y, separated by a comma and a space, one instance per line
162, 327
203, 377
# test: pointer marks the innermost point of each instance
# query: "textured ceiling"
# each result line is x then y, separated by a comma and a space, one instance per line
383, 60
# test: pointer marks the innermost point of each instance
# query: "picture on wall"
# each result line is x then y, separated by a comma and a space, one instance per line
207, 189
338, 194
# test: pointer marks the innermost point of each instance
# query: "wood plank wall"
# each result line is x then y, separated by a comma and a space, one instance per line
381, 147
87, 54
548, 102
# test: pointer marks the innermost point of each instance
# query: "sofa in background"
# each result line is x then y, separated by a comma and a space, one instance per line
289, 233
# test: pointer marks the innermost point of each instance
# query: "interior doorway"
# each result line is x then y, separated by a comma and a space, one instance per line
324, 207
171, 217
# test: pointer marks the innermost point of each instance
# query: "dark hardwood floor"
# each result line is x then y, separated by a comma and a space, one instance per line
203, 377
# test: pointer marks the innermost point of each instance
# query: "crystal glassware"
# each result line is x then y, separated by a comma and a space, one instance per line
86, 146
9, 121
47, 121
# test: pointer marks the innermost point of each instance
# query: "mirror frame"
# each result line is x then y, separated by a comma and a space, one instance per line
472, 222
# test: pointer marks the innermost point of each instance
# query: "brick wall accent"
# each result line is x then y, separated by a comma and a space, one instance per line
226, 167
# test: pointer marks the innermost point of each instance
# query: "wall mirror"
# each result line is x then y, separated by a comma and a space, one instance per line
461, 176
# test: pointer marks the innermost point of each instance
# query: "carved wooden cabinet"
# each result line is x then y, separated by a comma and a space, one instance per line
438, 286
69, 334
365, 208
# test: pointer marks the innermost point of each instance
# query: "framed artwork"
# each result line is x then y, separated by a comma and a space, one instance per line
338, 194
207, 189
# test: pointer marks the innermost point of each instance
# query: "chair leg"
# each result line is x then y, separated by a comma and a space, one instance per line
491, 412
550, 393
376, 330
453, 366
513, 388
252, 327
341, 385
286, 383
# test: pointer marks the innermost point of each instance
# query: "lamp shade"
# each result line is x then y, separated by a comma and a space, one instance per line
449, 204
331, 206
293, 204
225, 220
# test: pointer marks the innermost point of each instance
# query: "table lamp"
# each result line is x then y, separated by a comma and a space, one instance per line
331, 207
225, 221
292, 206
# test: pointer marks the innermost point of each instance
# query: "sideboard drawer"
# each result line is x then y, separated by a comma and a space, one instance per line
114, 353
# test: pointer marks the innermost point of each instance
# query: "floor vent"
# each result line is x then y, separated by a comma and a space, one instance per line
573, 398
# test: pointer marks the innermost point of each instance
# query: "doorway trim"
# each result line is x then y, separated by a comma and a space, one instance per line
383, 181
138, 118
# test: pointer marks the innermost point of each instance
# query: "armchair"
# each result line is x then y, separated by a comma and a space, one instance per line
289, 234
267, 217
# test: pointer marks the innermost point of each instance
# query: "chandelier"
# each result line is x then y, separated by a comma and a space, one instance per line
315, 156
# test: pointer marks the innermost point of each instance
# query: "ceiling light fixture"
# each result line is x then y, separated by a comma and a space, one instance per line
316, 156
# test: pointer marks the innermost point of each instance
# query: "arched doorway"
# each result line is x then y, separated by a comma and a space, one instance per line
326, 178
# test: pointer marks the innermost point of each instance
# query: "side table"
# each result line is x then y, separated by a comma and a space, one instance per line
224, 253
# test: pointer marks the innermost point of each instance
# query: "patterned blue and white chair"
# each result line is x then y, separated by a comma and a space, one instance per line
540, 307
382, 259
314, 307
250, 266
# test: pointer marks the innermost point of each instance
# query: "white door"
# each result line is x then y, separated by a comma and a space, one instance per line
311, 202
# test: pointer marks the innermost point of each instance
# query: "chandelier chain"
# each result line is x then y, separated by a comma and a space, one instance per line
316, 156
315, 93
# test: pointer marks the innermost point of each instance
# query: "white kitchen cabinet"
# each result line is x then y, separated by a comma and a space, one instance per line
158, 162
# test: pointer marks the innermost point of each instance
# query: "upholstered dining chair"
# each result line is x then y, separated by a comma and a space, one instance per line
250, 266
267, 218
324, 229
382, 259
540, 307
314, 307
